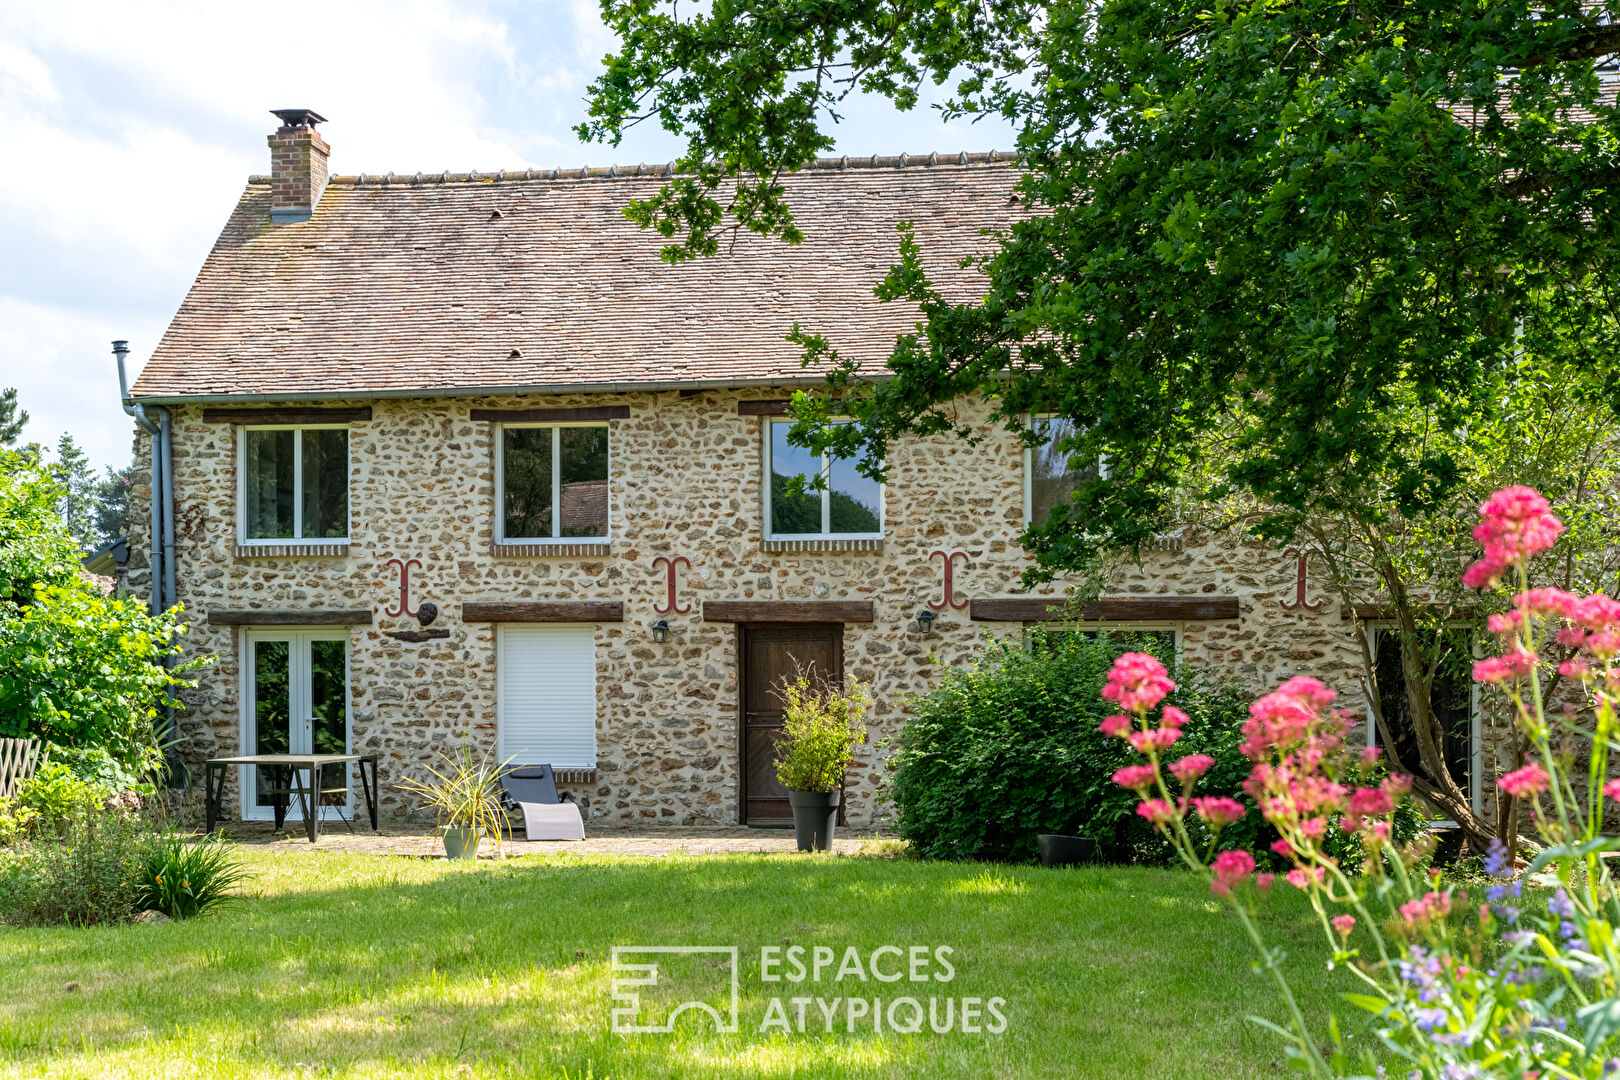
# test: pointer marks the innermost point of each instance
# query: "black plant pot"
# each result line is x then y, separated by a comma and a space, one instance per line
815, 816
1059, 850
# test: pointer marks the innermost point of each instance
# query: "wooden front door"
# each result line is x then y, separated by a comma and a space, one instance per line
772, 654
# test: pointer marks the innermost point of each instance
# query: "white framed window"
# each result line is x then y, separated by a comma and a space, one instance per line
1454, 696
551, 484
292, 484
545, 694
849, 506
1050, 476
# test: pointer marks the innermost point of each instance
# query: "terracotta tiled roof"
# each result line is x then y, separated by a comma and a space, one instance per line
459, 282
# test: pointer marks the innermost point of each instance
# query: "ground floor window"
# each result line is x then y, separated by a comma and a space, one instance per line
545, 680
1452, 696
295, 700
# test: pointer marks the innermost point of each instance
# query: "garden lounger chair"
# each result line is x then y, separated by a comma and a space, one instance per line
532, 790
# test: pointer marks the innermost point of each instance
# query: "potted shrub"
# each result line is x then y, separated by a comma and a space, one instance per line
822, 726
466, 796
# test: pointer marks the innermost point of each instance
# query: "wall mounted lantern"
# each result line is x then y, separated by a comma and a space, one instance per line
660, 631
924, 623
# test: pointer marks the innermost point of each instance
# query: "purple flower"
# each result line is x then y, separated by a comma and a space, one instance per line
1568, 930
1428, 1019
1519, 938
1561, 905
1497, 862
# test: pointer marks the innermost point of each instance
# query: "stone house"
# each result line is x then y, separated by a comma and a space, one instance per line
457, 456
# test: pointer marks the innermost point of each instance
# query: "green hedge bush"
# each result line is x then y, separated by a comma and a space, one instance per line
1009, 748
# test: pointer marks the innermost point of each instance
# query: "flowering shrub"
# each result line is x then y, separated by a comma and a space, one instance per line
1498, 992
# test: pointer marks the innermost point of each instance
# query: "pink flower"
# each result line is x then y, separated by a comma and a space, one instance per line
1231, 868
1596, 612
1157, 811
1219, 812
1148, 741
1433, 905
1500, 669
1344, 924
1172, 717
1301, 878
1191, 767
1282, 847
1136, 777
1137, 682
1371, 754
1547, 602
1574, 668
1286, 716
1115, 725
1612, 790
1602, 644
1263, 881
1505, 623
1516, 522
1521, 783
1371, 802
1483, 574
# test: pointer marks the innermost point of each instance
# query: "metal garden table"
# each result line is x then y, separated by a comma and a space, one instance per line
285, 772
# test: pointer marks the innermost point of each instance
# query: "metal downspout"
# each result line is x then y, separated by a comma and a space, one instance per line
171, 595
154, 518
160, 525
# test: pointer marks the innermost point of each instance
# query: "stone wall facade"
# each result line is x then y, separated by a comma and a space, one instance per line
686, 479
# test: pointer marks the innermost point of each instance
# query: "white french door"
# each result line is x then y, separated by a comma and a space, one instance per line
295, 700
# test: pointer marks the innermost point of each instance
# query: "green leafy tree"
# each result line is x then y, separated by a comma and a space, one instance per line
1271, 252
35, 546
12, 418
1400, 564
77, 669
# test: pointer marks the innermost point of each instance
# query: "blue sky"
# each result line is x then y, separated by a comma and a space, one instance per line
129, 129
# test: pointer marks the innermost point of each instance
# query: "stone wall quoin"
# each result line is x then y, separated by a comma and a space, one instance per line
685, 481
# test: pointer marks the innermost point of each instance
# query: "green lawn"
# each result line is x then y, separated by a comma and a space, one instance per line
371, 966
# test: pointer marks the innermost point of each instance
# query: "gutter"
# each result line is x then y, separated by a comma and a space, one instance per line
160, 523
660, 386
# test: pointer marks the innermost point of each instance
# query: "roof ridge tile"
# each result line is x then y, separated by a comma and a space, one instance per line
843, 163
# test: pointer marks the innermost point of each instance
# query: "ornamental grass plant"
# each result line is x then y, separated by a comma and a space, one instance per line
1458, 991
465, 793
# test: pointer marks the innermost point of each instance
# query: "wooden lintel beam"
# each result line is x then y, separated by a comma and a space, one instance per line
583, 611
787, 611
1107, 609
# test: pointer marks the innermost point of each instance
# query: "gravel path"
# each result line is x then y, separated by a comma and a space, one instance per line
421, 841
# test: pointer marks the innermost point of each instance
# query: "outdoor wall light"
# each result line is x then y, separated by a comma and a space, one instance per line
924, 623
660, 631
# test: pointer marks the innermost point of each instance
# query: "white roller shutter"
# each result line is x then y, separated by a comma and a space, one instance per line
545, 690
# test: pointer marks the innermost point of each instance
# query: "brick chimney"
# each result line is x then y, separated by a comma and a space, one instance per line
297, 165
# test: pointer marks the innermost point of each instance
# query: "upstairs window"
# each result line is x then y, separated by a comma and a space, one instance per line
1050, 476
849, 506
551, 483
294, 483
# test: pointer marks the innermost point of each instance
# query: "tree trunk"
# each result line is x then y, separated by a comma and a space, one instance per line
1438, 786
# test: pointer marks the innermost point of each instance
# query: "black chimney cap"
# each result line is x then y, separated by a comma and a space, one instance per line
298, 117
